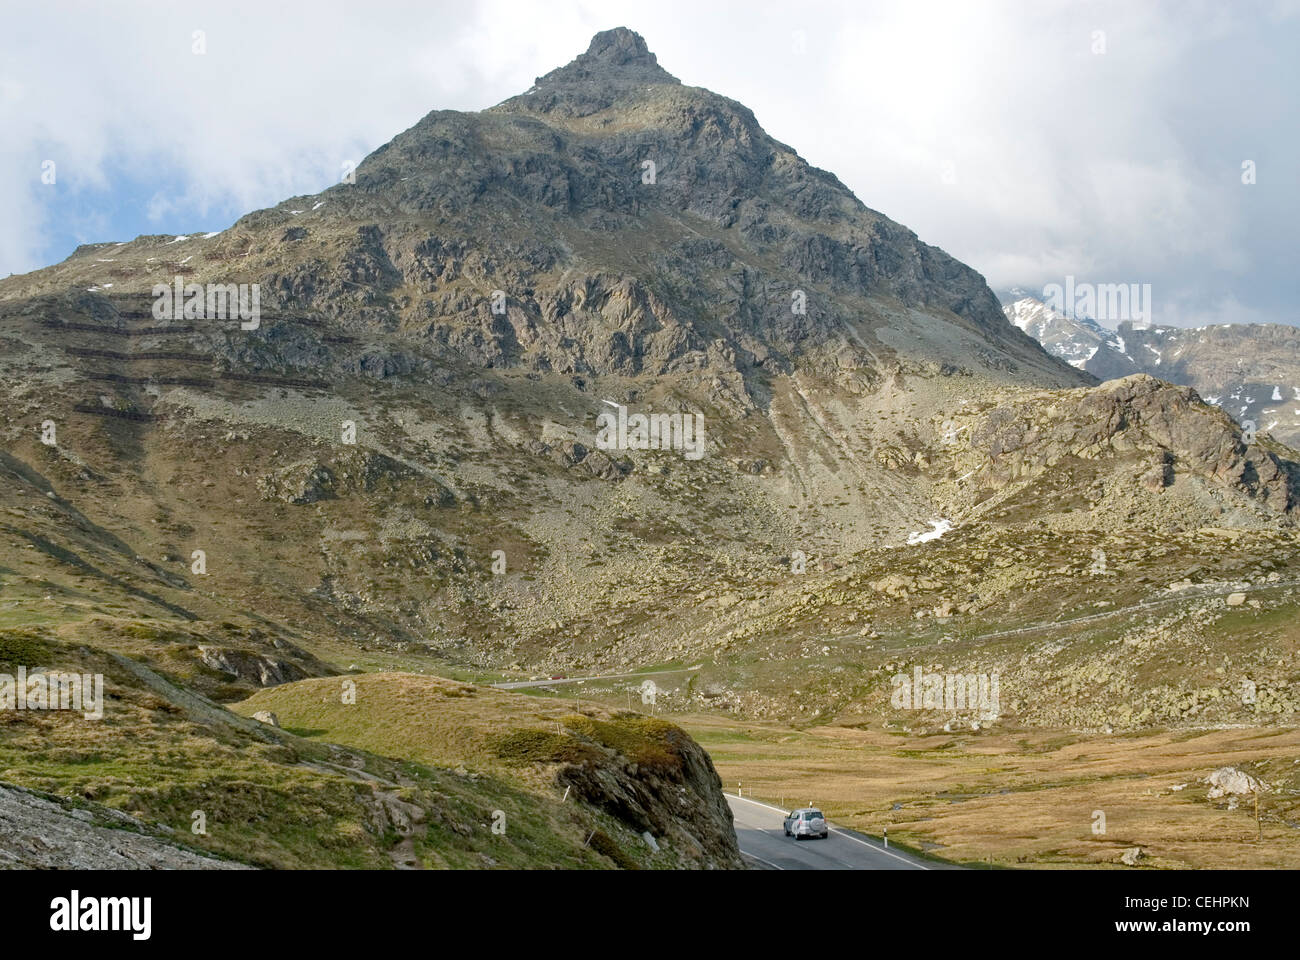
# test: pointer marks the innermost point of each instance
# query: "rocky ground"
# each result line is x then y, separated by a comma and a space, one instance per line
47, 833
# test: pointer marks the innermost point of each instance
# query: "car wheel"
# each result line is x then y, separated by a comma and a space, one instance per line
826, 835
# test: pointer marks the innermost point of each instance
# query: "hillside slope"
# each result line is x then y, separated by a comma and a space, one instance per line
170, 779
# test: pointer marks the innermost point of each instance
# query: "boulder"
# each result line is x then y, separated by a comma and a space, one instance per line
1228, 781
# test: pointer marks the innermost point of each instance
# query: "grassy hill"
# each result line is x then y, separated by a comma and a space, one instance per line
289, 798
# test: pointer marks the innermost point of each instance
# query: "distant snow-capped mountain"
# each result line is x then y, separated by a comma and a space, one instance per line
1252, 370
1076, 340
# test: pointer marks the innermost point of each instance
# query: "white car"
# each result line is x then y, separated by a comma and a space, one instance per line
806, 822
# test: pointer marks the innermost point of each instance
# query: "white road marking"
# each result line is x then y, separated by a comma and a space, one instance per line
774, 866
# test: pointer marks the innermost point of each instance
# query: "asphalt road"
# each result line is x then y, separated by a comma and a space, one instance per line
762, 838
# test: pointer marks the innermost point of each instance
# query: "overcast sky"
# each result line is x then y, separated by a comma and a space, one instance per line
996, 131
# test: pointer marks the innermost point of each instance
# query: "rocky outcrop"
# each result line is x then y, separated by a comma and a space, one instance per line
253, 667
669, 790
570, 453
1229, 781
298, 483
39, 832
1167, 424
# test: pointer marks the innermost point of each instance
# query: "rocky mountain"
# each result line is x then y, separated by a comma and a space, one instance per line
398, 465
1251, 370
610, 221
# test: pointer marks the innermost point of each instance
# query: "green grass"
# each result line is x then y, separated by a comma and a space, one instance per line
505, 737
23, 648
279, 800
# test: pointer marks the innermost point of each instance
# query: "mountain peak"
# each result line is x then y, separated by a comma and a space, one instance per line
620, 47
614, 57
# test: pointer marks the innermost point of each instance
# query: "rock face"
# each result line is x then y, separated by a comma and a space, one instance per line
610, 220
613, 174
1166, 425
40, 833
256, 668
674, 794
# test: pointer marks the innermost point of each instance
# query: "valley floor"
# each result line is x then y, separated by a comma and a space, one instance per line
1029, 798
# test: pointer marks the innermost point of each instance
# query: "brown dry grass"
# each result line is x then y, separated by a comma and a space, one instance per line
1027, 798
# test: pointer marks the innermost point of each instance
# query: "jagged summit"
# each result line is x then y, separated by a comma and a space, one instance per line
621, 50
616, 64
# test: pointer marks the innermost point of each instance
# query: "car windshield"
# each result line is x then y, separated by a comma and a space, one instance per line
813, 815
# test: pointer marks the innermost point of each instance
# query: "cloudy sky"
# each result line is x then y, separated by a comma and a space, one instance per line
1033, 140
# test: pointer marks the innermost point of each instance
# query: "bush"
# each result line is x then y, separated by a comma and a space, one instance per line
20, 649
604, 845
